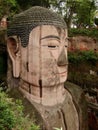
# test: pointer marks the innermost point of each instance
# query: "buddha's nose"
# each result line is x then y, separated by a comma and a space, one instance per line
62, 59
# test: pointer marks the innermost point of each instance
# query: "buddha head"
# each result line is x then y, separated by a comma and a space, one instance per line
37, 45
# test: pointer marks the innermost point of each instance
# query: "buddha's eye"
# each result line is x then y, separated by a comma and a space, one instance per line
66, 46
52, 46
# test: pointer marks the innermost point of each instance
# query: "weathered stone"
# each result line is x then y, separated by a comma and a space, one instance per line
40, 64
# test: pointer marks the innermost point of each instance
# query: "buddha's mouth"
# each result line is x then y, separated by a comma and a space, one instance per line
62, 72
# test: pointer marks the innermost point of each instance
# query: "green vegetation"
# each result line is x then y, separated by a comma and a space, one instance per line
80, 64
11, 115
85, 80
79, 12
8, 8
84, 32
78, 57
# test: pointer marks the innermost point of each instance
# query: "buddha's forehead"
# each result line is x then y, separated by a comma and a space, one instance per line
49, 30
45, 30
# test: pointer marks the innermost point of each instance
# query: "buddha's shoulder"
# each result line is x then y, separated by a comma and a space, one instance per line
75, 90
78, 97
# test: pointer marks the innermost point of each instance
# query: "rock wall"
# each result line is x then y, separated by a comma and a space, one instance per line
82, 43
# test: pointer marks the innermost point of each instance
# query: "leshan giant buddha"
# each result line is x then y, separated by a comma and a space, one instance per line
37, 46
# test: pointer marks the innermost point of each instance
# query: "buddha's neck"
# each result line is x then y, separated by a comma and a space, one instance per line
48, 96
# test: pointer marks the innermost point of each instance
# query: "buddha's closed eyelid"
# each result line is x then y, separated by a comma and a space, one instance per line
53, 46
66, 46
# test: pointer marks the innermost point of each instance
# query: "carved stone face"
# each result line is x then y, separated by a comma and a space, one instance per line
44, 59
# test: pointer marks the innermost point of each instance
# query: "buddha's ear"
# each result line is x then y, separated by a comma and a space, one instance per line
13, 47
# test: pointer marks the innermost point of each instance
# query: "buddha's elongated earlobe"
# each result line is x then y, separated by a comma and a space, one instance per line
14, 53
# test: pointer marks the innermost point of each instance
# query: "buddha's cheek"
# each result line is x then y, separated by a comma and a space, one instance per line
49, 71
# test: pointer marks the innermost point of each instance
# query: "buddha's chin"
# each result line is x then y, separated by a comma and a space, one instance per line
63, 77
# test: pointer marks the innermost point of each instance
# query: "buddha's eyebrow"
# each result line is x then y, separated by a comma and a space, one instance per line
50, 36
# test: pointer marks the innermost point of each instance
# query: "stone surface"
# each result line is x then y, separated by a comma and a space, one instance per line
39, 67
82, 43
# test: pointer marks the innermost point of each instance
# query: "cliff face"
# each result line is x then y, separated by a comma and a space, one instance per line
82, 43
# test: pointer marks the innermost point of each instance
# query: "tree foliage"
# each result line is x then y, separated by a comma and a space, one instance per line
11, 115
78, 57
11, 7
27, 4
8, 7
75, 12
85, 14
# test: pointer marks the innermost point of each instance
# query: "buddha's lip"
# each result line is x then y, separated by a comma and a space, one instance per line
62, 72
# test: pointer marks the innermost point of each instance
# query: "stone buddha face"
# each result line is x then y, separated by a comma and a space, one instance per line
44, 60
